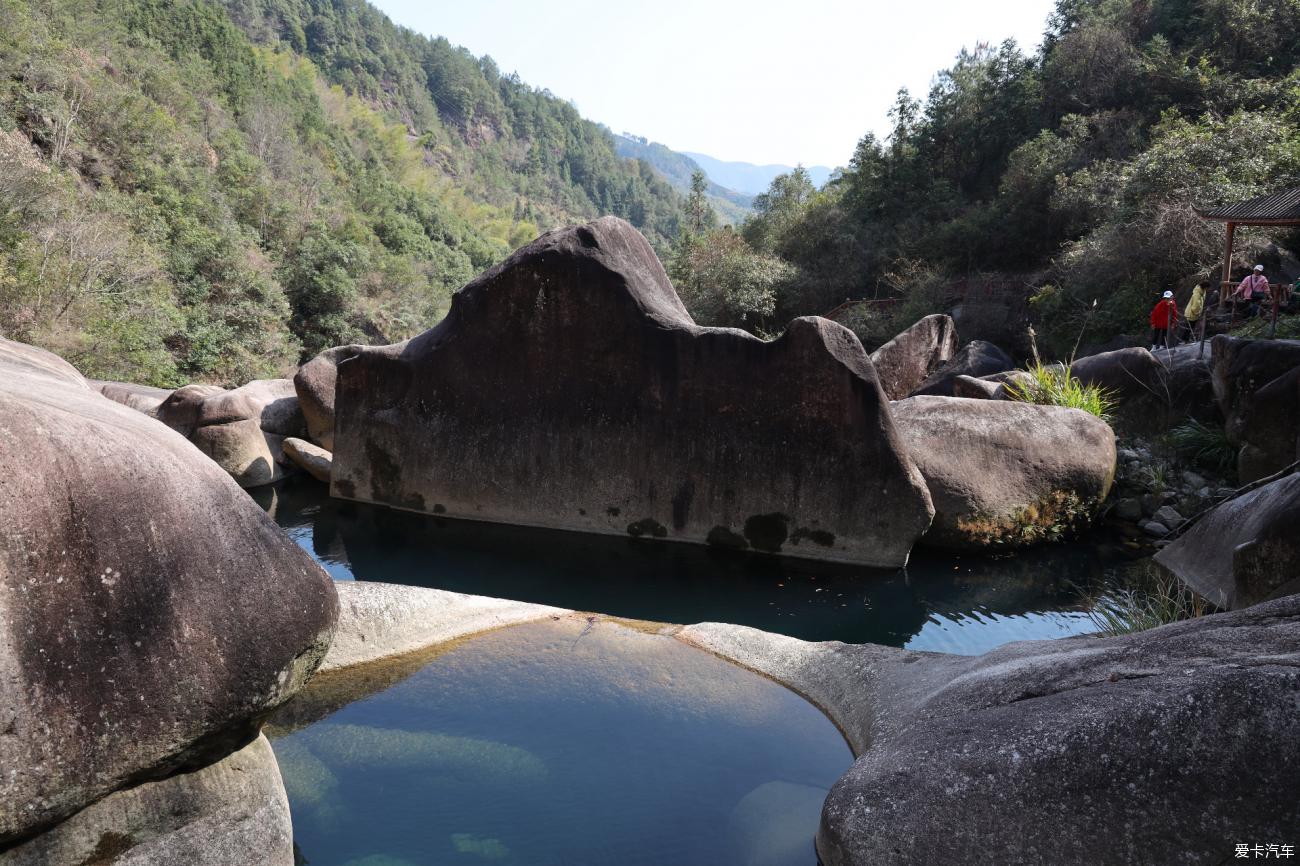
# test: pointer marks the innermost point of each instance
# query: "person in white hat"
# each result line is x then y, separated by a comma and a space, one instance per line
1253, 290
1164, 318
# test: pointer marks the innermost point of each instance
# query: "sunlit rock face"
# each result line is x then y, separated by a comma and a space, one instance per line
150, 612
569, 388
1005, 474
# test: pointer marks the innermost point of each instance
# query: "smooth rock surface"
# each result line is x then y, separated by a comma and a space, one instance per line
242, 430
141, 398
977, 358
316, 461
906, 361
569, 388
1127, 374
382, 620
314, 384
1004, 473
231, 813
1179, 742
1244, 551
150, 612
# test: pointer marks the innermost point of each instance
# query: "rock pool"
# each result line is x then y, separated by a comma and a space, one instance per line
578, 740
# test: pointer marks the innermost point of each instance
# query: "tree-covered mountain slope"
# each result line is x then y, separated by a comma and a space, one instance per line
732, 207
1083, 162
204, 190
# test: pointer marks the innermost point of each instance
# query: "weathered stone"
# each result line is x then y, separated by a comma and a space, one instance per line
1179, 740
1005, 473
231, 813
241, 430
568, 388
180, 411
970, 388
314, 383
977, 358
312, 458
906, 361
1169, 516
1268, 427
150, 613
1155, 528
241, 449
141, 398
1240, 368
1126, 373
1021, 754
1151, 503
1245, 550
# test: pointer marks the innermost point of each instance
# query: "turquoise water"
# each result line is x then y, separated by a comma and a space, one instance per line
942, 602
577, 741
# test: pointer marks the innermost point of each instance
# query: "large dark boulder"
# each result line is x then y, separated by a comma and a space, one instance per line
906, 361
1005, 474
314, 383
1246, 550
1128, 374
1165, 746
1240, 367
975, 359
1268, 428
569, 388
150, 613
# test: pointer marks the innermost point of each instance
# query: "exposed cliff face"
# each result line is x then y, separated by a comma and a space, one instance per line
150, 613
568, 387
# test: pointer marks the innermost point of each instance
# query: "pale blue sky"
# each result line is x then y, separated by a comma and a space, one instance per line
760, 82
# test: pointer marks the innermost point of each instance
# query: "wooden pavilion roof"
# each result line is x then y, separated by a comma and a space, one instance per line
1277, 209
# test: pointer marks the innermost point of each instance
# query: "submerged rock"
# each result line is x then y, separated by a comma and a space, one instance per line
569, 388
1004, 473
1245, 550
150, 613
904, 362
975, 359
230, 813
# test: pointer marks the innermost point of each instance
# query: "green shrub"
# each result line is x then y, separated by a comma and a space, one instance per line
1152, 598
1053, 385
1206, 445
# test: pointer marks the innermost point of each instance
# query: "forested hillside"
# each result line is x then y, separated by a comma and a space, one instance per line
1082, 162
678, 168
203, 190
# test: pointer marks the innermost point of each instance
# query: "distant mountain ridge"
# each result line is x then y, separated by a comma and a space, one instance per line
748, 178
677, 169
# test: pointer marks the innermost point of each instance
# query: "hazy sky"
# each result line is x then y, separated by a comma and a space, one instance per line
761, 82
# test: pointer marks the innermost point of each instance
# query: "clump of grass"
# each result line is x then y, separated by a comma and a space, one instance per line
1053, 385
1203, 444
1153, 599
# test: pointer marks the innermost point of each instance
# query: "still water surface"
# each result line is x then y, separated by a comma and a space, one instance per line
576, 741
941, 601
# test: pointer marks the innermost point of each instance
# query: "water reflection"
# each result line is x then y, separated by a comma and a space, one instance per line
963, 604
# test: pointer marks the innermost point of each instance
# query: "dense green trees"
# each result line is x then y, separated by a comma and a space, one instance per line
209, 189
1080, 165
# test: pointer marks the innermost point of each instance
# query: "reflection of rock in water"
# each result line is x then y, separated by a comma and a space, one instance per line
770, 824
687, 584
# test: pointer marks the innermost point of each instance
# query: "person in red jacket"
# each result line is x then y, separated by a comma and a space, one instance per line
1164, 318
